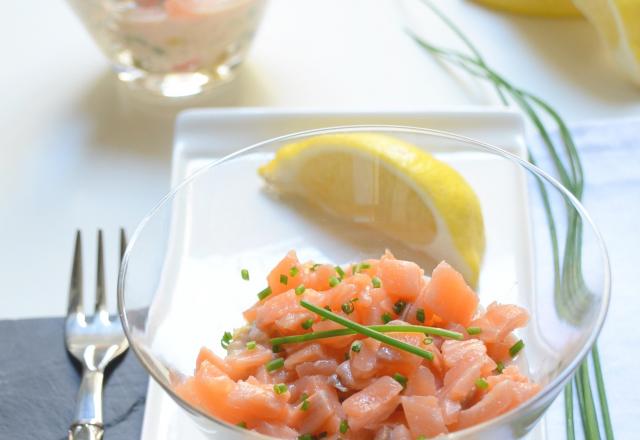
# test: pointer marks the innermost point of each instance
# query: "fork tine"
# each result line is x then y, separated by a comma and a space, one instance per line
123, 243
101, 296
75, 286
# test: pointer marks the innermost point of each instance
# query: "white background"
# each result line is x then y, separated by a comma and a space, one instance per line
78, 151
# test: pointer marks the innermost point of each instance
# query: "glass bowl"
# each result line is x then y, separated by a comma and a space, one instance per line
172, 48
180, 287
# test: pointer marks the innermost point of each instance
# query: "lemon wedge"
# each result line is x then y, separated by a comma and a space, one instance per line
391, 185
546, 8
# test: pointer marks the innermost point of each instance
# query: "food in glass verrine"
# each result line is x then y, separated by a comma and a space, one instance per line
369, 350
172, 47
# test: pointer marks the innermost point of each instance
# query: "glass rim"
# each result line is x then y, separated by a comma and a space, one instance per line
560, 379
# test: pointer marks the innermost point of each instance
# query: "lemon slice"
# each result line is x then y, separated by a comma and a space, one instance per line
547, 8
391, 185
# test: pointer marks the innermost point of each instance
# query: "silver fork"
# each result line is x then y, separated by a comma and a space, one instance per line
94, 342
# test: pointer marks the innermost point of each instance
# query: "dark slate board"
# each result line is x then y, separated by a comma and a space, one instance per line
39, 381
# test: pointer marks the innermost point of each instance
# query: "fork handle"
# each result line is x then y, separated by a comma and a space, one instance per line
87, 424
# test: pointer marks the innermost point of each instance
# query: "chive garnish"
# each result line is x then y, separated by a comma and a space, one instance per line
276, 348
515, 348
357, 328
274, 364
386, 317
340, 272
421, 437
399, 306
500, 367
347, 307
284, 279
344, 427
305, 437
420, 315
375, 281
305, 403
244, 273
401, 379
295, 339
251, 345
356, 347
307, 324
474, 330
264, 293
293, 271
428, 340
242, 425
280, 388
300, 289
333, 281
314, 267
482, 383
227, 337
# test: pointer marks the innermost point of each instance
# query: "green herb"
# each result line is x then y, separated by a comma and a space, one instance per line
481, 383
340, 272
295, 339
386, 317
356, 347
570, 289
421, 437
360, 267
344, 427
347, 307
280, 388
305, 403
300, 289
251, 345
227, 337
293, 271
399, 306
305, 437
500, 367
274, 364
420, 315
402, 380
307, 324
428, 340
276, 348
333, 281
245, 274
474, 330
375, 281
242, 425
314, 267
515, 348
264, 293
368, 331
284, 279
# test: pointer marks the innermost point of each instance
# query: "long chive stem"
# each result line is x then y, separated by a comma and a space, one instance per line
591, 429
367, 331
568, 409
435, 331
602, 395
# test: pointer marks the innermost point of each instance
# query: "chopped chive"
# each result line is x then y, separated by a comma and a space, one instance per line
428, 340
333, 281
399, 306
402, 380
227, 337
365, 265
376, 282
421, 437
284, 279
347, 356
280, 388
274, 364
500, 367
242, 425
515, 348
293, 271
347, 307
276, 348
264, 293
295, 339
245, 274
251, 345
307, 324
305, 403
303, 397
356, 347
340, 272
344, 427
481, 383
358, 328
305, 437
314, 267
474, 330
386, 317
300, 289
420, 315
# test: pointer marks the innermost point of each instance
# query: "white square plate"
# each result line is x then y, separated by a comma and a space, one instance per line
204, 135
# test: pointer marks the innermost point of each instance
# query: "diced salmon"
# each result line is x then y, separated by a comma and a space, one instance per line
459, 381
336, 342
372, 404
403, 280
276, 430
211, 390
454, 351
495, 402
499, 350
309, 353
393, 360
322, 367
506, 318
323, 411
450, 411
345, 375
243, 363
421, 383
424, 415
363, 363
254, 402
280, 279
449, 296
207, 355
318, 278
283, 313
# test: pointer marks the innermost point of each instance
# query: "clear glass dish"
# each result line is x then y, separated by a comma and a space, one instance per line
172, 48
180, 289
